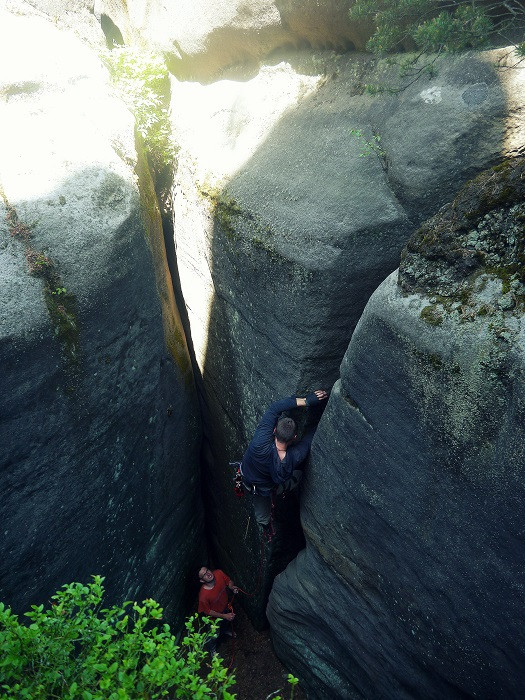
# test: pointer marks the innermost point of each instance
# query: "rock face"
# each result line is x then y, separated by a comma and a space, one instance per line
284, 227
202, 37
412, 586
295, 193
99, 427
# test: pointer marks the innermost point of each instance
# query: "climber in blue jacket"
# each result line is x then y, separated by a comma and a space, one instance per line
273, 461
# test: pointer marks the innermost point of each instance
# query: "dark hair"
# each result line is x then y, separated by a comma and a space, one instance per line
203, 566
285, 429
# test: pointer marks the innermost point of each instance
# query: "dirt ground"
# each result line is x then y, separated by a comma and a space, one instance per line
259, 673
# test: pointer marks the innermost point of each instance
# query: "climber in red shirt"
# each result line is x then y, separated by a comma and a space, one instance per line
214, 599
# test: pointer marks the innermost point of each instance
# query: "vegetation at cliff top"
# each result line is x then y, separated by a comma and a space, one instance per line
427, 27
436, 25
79, 650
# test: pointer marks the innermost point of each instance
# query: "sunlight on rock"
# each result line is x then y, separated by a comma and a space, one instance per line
431, 96
51, 108
224, 123
219, 127
513, 85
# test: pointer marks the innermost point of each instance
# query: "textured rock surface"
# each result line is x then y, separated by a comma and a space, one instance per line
277, 264
201, 37
412, 586
99, 430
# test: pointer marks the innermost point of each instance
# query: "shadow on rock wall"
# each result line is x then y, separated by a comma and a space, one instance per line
99, 457
410, 587
302, 236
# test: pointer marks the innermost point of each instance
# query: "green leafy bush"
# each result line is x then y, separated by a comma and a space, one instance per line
77, 649
429, 28
142, 80
427, 25
466, 27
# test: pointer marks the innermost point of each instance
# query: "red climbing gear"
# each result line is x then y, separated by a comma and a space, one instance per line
237, 480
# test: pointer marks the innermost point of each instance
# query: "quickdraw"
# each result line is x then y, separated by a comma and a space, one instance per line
237, 480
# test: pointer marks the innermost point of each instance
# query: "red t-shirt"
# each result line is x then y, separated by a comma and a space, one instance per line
215, 598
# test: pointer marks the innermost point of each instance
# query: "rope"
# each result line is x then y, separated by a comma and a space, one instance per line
270, 534
259, 573
239, 492
249, 595
233, 641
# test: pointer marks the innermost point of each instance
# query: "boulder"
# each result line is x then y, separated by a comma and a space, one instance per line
293, 201
411, 586
99, 427
75, 16
202, 37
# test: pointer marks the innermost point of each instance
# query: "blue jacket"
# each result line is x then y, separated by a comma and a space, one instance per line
261, 465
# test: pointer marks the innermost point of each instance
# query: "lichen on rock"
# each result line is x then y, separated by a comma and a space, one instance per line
469, 258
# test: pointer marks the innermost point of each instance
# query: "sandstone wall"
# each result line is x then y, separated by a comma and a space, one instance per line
295, 193
411, 586
99, 428
286, 221
202, 37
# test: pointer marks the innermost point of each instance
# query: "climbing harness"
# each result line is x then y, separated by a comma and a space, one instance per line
239, 489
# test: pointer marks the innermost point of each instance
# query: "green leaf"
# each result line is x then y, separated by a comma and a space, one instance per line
111, 660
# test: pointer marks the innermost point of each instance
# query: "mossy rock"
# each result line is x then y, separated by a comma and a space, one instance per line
481, 231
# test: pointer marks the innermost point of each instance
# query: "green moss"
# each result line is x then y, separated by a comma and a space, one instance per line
431, 315
464, 295
501, 167
504, 274
264, 245
501, 186
63, 315
428, 359
444, 242
225, 210
61, 305
435, 361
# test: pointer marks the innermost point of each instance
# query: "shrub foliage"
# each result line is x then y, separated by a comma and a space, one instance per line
78, 649
437, 25
142, 80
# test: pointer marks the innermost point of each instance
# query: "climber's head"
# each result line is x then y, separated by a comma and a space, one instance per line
285, 430
206, 575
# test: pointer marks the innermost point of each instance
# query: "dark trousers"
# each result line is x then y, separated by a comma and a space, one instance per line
224, 627
262, 496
